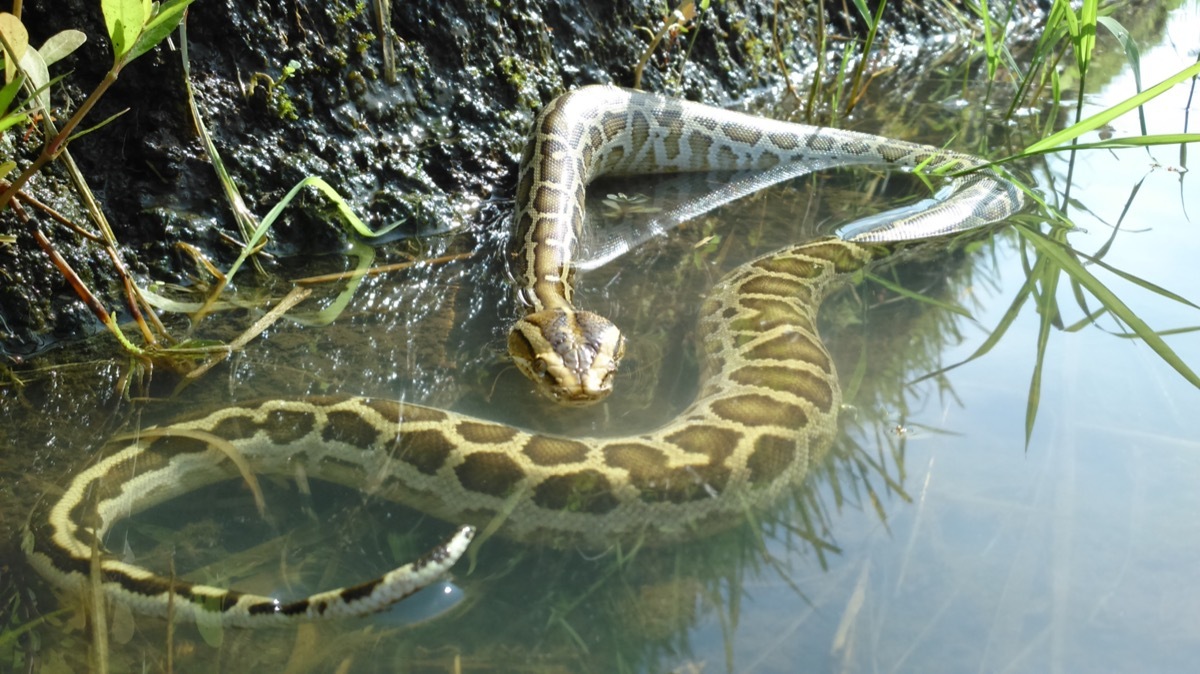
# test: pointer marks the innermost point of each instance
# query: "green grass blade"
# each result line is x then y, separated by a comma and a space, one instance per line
863, 10
1139, 281
1085, 39
343, 208
1058, 253
1046, 277
1104, 117
1132, 55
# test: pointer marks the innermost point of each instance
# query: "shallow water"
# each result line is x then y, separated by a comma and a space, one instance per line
935, 538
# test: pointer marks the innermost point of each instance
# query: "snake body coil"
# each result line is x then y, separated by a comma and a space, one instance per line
766, 409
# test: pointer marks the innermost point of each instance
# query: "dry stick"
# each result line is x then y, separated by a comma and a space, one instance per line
783, 69
132, 293
383, 14
55, 215
216, 442
64, 267
130, 302
290, 300
375, 271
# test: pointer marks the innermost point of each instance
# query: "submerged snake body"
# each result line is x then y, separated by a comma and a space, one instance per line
766, 409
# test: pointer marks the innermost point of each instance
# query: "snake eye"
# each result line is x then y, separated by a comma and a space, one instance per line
540, 366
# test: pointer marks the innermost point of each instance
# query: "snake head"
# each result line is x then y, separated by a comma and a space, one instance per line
570, 356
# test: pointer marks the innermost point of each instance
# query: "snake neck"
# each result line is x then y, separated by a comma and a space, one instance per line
602, 130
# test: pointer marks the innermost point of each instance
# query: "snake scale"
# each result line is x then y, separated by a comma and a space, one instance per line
765, 412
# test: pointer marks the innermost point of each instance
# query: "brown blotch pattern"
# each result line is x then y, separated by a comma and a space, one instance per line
554, 451
360, 591
642, 462
743, 134
170, 445
688, 483
425, 450
491, 473
771, 455
546, 198
711, 441
672, 141
784, 141
699, 144
753, 409
393, 411
792, 346
819, 143
350, 428
486, 434
841, 256
648, 472
769, 313
286, 426
550, 120
585, 491
892, 154
352, 468
807, 385
236, 427
726, 158
778, 284
791, 265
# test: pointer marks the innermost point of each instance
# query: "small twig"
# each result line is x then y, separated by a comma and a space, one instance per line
375, 271
296, 296
63, 266
787, 79
54, 215
56, 144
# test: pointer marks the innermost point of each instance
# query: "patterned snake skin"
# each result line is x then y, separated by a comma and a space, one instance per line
765, 412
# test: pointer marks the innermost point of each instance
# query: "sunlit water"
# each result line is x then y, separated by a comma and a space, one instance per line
934, 539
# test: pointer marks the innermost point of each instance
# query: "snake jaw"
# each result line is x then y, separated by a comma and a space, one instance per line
571, 356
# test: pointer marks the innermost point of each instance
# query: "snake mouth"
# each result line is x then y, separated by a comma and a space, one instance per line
581, 398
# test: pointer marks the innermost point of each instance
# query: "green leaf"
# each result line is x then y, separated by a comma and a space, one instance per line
169, 15
9, 121
60, 45
39, 77
16, 42
124, 20
9, 92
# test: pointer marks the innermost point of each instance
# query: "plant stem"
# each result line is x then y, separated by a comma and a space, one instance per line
56, 144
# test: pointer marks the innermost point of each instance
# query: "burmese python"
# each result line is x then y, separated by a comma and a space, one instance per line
766, 408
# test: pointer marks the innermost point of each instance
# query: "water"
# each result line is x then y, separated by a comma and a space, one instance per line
934, 539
